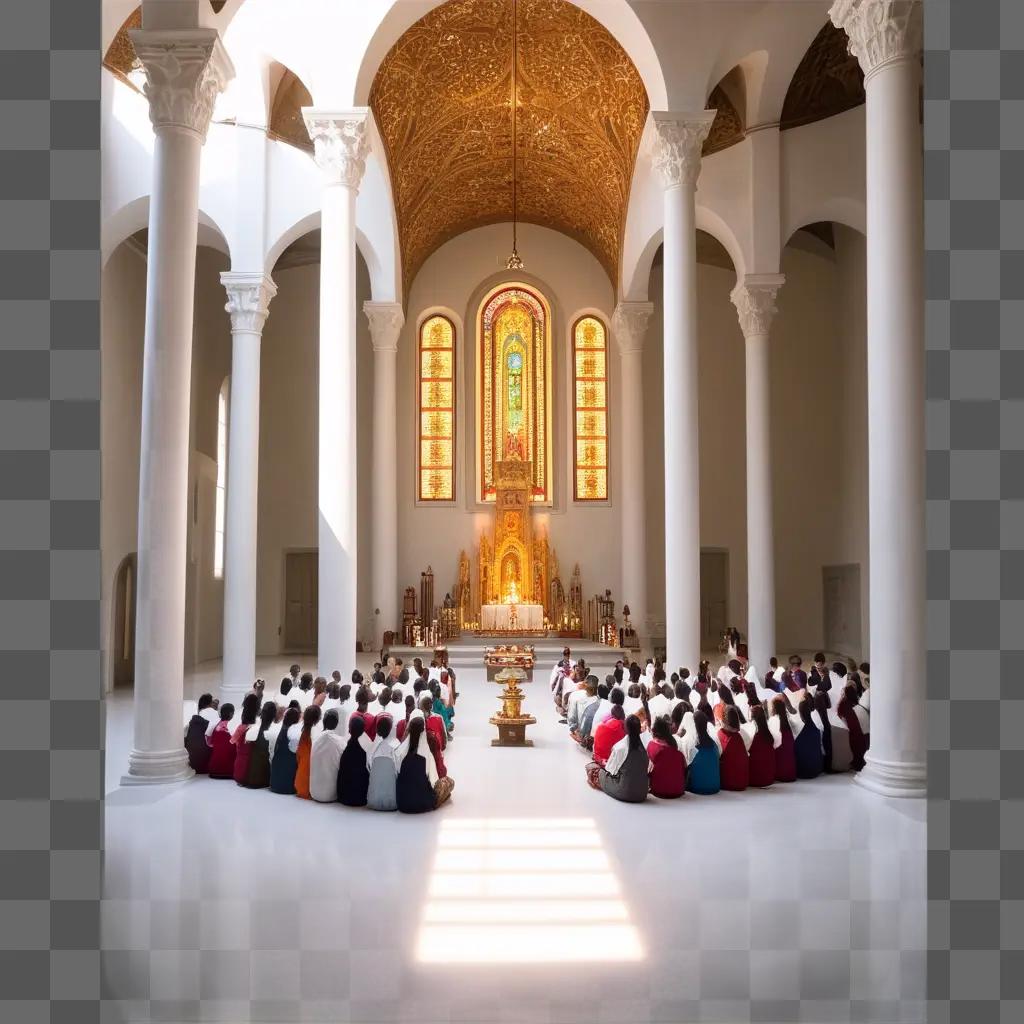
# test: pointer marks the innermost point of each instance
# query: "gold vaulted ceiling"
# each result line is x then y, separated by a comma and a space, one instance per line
441, 100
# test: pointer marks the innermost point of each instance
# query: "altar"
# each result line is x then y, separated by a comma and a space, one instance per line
511, 618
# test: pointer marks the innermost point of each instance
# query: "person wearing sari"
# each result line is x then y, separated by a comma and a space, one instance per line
200, 725
222, 750
418, 787
381, 794
700, 748
667, 764
324, 759
439, 708
403, 723
608, 734
626, 776
257, 774
782, 727
283, 763
760, 748
310, 718
734, 763
250, 712
353, 772
807, 745
853, 716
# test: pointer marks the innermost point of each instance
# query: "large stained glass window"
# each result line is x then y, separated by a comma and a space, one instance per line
514, 396
590, 410
437, 410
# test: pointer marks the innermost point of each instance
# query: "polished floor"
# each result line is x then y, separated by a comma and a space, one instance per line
529, 898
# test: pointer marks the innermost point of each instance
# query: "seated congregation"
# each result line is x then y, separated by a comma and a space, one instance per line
361, 744
728, 731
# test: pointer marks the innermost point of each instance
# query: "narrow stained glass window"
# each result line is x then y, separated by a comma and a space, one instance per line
590, 409
222, 481
437, 410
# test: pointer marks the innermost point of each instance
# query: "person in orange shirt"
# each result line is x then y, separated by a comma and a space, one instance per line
310, 717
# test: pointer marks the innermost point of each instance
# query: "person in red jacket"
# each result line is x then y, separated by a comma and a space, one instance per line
434, 723
222, 750
734, 762
609, 732
762, 749
668, 766
250, 712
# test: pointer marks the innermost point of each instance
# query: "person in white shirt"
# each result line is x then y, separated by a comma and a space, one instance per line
660, 703
578, 700
210, 711
324, 758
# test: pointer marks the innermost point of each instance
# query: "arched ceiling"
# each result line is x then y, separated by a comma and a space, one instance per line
827, 81
441, 100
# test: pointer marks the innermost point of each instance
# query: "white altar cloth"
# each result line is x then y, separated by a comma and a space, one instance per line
498, 617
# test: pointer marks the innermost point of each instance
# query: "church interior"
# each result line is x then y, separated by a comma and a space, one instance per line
460, 329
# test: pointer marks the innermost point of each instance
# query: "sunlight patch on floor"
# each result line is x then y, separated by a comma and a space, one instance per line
524, 890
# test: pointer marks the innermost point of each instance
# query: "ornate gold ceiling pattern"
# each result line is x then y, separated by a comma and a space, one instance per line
727, 127
286, 122
441, 100
120, 56
827, 81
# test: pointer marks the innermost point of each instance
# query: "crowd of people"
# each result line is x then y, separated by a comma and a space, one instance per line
666, 736
376, 742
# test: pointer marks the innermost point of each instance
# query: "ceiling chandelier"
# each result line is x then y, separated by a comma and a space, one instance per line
515, 261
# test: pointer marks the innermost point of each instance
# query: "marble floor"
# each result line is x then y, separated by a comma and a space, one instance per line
530, 897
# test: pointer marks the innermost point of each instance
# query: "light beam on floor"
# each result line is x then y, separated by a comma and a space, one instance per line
524, 890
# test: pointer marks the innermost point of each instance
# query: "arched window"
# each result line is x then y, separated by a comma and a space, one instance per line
436, 476
590, 409
222, 480
514, 396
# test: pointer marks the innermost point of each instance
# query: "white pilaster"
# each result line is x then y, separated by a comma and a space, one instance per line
754, 299
386, 320
677, 158
629, 326
340, 147
885, 36
185, 71
249, 296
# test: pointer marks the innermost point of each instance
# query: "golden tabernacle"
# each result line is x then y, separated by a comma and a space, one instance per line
511, 721
509, 656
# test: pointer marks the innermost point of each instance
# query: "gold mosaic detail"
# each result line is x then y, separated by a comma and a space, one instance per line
437, 410
441, 99
590, 389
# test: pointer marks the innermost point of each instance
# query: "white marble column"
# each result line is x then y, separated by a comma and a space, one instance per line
249, 296
185, 71
885, 36
340, 147
754, 299
386, 320
677, 159
629, 326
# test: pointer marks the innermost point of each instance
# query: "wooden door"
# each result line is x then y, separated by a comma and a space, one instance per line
841, 608
300, 603
714, 597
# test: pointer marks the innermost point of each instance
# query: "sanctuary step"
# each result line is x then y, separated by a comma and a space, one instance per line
468, 652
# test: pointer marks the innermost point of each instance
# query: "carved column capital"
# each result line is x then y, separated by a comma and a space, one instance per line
386, 320
678, 142
880, 31
249, 298
186, 69
629, 325
754, 299
340, 143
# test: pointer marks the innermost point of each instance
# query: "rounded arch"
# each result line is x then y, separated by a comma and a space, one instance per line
845, 210
616, 15
590, 420
713, 223
133, 217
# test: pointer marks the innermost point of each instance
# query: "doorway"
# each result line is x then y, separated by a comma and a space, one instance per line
714, 597
301, 590
123, 652
841, 602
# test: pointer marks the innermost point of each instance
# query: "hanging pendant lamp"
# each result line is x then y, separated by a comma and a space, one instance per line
515, 261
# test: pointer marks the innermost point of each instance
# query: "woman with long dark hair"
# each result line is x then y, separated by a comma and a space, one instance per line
353, 770
310, 718
419, 788
250, 712
381, 794
668, 766
734, 764
700, 748
761, 750
625, 776
807, 747
257, 775
782, 730
282, 766
848, 711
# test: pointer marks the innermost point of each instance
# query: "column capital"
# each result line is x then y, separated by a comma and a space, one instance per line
678, 143
249, 296
754, 299
629, 325
386, 321
186, 69
340, 143
880, 31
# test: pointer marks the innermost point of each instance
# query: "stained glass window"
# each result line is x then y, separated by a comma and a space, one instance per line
220, 510
437, 410
590, 411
